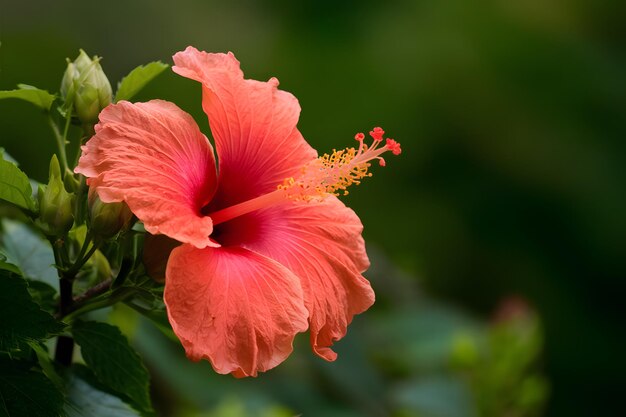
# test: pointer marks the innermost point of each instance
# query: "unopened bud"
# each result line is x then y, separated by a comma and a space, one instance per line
107, 219
56, 205
86, 87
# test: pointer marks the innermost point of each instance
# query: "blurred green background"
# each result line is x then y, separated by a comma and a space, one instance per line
511, 115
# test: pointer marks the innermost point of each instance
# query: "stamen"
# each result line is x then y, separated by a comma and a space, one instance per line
248, 206
334, 173
327, 175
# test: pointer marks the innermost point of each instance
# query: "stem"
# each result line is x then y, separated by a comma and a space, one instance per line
97, 299
60, 143
68, 119
64, 350
79, 214
83, 249
256, 203
92, 292
65, 345
66, 129
88, 132
80, 262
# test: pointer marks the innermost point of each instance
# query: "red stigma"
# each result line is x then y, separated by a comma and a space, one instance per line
394, 147
377, 133
359, 136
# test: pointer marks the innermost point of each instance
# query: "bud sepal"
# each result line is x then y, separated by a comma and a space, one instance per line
85, 88
56, 205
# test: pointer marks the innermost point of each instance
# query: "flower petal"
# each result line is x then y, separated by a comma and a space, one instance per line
153, 156
238, 309
320, 243
253, 124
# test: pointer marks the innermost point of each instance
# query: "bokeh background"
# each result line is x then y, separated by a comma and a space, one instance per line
498, 236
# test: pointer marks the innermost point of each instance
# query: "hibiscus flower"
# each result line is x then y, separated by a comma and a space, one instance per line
267, 249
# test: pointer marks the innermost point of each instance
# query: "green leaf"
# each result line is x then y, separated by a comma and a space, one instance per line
137, 79
14, 186
84, 399
46, 364
114, 362
31, 253
7, 266
5, 155
23, 320
26, 392
40, 98
43, 294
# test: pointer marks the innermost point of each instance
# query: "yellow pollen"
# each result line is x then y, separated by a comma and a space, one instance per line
333, 174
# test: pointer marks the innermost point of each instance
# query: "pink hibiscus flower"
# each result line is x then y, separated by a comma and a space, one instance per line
267, 249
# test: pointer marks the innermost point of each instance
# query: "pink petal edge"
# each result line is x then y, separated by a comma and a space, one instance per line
235, 308
153, 156
321, 243
253, 125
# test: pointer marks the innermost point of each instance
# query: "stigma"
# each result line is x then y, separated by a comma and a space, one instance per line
332, 174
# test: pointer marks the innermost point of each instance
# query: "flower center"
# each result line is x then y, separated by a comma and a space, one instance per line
327, 175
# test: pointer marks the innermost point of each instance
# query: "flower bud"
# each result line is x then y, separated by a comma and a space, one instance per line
107, 219
86, 87
56, 205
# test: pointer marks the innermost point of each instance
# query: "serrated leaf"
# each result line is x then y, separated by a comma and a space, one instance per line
26, 392
34, 95
31, 253
15, 186
23, 321
85, 400
137, 79
114, 362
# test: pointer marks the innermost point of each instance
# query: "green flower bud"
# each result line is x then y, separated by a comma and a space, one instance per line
56, 205
107, 219
86, 87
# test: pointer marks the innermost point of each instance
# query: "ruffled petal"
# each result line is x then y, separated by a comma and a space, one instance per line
321, 243
253, 124
153, 156
238, 309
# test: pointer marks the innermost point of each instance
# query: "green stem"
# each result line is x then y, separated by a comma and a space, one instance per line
66, 129
88, 132
101, 301
65, 258
60, 143
83, 249
56, 251
79, 214
81, 261
68, 119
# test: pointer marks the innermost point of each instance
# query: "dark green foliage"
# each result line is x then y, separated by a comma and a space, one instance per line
113, 361
85, 398
26, 392
43, 294
34, 95
14, 185
23, 320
